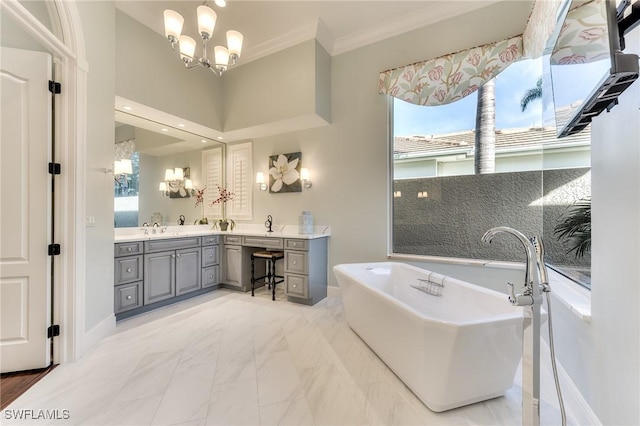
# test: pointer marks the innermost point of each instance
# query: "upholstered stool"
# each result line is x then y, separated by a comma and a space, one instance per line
271, 278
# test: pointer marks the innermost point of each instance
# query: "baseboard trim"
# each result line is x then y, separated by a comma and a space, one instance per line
94, 336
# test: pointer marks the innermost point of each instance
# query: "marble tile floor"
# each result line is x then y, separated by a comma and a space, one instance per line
226, 358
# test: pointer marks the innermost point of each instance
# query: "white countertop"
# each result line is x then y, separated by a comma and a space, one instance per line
123, 235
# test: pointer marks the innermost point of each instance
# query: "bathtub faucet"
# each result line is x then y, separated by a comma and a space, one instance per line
532, 282
530, 300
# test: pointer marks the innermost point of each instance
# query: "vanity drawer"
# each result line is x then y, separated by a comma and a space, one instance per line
296, 286
295, 262
232, 239
127, 296
210, 256
171, 244
210, 276
128, 249
128, 269
292, 244
265, 242
210, 240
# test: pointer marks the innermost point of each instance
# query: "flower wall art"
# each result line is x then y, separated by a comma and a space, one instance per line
284, 172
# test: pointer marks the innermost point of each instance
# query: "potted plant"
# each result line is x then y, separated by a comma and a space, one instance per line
200, 201
223, 196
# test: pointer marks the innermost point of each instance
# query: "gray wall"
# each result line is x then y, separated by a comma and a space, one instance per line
460, 209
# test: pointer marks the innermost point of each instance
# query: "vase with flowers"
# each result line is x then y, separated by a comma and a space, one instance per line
200, 202
224, 195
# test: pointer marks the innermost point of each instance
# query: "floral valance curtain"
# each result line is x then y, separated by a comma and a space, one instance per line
451, 77
125, 149
584, 36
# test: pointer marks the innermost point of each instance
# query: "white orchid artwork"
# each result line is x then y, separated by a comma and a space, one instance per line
284, 172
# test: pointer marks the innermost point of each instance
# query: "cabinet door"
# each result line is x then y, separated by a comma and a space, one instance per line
159, 276
188, 271
210, 276
127, 296
233, 265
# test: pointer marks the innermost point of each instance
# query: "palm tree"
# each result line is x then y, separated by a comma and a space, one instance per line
531, 95
575, 225
485, 142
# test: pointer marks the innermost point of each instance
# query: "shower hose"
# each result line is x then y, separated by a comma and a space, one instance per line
553, 360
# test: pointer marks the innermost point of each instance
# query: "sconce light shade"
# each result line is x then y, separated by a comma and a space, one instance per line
178, 174
168, 174
304, 177
122, 167
188, 184
162, 187
260, 181
173, 22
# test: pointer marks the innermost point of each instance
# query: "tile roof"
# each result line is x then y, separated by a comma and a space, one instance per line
505, 139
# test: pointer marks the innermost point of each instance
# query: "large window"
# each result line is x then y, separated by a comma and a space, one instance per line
444, 199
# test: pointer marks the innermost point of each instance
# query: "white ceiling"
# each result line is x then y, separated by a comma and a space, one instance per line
270, 26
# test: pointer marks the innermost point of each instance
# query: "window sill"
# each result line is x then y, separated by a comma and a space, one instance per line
575, 297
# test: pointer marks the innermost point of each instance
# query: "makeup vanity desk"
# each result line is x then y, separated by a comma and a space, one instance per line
173, 263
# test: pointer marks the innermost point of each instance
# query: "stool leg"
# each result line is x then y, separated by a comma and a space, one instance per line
253, 279
273, 278
269, 273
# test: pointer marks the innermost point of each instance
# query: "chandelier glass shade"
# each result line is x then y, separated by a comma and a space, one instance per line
224, 57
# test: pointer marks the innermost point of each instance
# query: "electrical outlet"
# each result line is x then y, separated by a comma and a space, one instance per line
90, 221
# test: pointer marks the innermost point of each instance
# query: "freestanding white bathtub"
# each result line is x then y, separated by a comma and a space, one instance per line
458, 348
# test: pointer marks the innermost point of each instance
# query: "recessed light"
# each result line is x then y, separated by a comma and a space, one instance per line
164, 129
221, 3
203, 141
220, 138
180, 124
127, 108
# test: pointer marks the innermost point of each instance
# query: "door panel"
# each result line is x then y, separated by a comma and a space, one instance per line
25, 287
188, 273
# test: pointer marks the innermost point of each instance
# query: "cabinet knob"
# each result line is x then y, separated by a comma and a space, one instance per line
173, 256
210, 277
129, 297
129, 248
129, 269
178, 255
295, 262
210, 256
295, 286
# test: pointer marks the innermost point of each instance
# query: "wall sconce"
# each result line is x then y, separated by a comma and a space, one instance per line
304, 176
174, 176
423, 194
260, 181
121, 168
397, 194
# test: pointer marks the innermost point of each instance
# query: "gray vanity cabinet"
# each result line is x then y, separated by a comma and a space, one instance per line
305, 270
232, 265
210, 261
128, 274
171, 268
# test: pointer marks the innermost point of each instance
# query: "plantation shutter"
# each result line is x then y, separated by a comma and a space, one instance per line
212, 177
239, 172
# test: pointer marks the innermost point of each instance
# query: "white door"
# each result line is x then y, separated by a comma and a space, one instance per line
25, 205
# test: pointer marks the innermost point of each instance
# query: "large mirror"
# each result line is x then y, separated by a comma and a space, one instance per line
154, 146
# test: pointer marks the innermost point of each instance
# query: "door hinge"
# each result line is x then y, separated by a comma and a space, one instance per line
54, 249
53, 331
54, 168
54, 87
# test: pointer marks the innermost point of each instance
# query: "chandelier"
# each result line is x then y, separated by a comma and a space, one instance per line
224, 57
